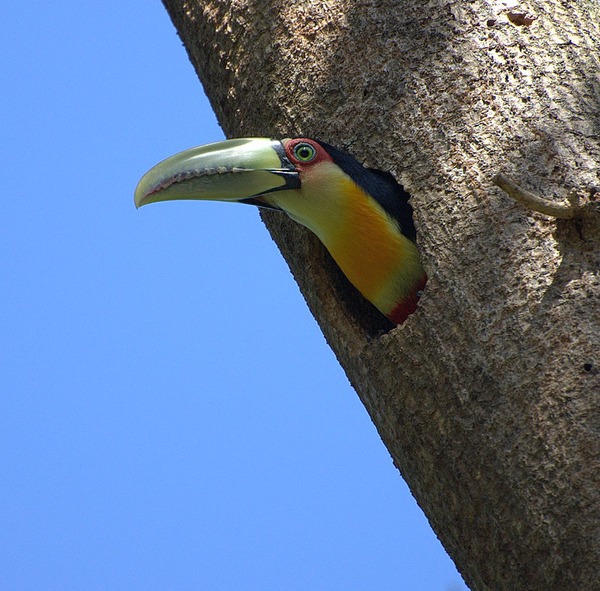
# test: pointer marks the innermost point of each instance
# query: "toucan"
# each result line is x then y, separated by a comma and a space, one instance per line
361, 215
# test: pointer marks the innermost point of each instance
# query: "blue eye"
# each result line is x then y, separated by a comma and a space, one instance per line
304, 152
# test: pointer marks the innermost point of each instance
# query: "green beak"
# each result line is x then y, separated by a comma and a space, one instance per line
233, 170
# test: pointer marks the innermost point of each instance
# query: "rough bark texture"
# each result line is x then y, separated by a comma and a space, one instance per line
487, 397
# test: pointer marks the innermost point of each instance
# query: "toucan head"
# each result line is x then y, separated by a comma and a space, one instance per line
362, 216
257, 170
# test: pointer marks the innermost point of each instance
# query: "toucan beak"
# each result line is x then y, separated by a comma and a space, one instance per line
233, 170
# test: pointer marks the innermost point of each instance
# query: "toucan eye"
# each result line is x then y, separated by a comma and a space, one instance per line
304, 152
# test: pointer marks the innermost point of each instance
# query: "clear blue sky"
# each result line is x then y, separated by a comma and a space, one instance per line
171, 417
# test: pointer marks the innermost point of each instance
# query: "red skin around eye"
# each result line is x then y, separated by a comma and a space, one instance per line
322, 155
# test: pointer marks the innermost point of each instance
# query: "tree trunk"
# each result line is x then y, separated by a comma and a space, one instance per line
487, 397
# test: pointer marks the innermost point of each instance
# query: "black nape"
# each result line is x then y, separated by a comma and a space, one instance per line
382, 186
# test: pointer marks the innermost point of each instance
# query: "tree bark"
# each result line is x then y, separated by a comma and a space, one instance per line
487, 397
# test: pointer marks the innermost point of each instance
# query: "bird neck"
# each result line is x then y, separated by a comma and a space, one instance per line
376, 257
363, 239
